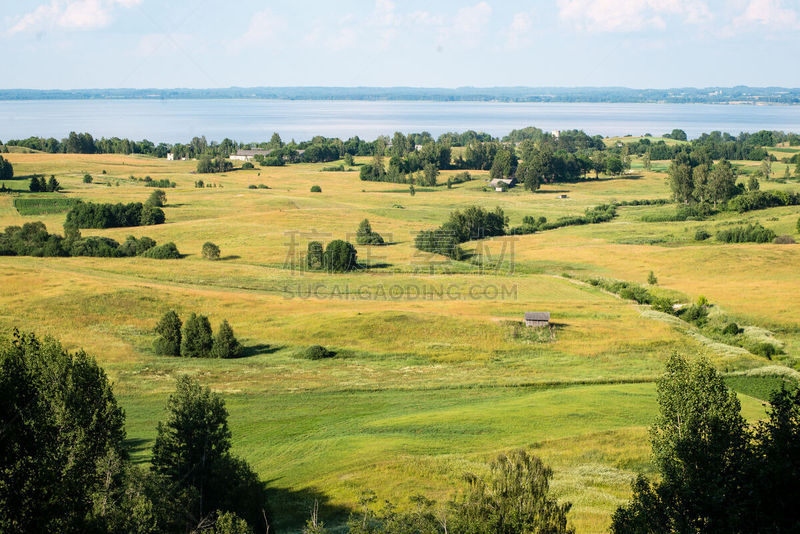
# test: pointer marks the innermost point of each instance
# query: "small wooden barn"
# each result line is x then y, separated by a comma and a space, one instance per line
537, 319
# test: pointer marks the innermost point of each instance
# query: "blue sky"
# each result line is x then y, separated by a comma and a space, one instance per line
66, 44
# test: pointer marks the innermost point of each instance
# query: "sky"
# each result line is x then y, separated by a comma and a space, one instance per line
71, 44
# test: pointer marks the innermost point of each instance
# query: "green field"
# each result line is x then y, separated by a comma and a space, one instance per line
430, 381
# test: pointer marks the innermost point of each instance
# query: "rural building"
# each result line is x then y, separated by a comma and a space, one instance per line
509, 183
537, 319
170, 156
561, 196
247, 155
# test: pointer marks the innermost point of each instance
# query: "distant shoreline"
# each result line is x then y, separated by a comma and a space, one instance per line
542, 95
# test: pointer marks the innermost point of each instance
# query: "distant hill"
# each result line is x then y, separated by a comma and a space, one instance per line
708, 95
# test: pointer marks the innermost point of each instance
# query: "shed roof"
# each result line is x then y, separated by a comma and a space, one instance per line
537, 316
256, 152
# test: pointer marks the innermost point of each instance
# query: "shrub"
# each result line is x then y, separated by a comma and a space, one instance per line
340, 256
263, 186
196, 340
784, 240
701, 234
87, 178
247, 165
167, 251
663, 305
317, 352
752, 233
207, 165
767, 350
335, 168
695, 314
252, 186
168, 329
316, 189
210, 251
91, 215
135, 247
225, 343
651, 279
732, 329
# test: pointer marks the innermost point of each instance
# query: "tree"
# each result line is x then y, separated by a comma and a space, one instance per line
514, 499
430, 173
37, 185
651, 279
168, 329
646, 163
53, 185
348, 159
700, 446
614, 165
680, 177
340, 256
752, 183
225, 343
87, 178
196, 339
59, 420
797, 169
6, 169
316, 189
365, 235
722, 182
678, 135
192, 451
766, 168
210, 251
157, 198
151, 215
411, 190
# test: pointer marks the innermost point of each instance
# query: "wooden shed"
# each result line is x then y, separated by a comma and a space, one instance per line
537, 319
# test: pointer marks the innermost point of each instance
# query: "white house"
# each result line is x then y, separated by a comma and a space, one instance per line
497, 183
170, 156
247, 155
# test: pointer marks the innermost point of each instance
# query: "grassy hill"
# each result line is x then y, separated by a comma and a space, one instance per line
433, 375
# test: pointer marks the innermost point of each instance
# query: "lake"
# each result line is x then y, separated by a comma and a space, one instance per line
174, 121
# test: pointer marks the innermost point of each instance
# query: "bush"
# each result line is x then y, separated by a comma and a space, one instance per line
695, 314
314, 255
151, 215
247, 165
168, 329
196, 340
252, 186
701, 234
335, 168
225, 343
317, 352
767, 350
135, 247
207, 165
87, 178
167, 251
340, 256
784, 240
316, 189
651, 279
210, 251
732, 329
752, 233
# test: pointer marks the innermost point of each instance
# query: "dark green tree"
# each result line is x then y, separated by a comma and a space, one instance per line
168, 329
366, 236
6, 169
314, 255
340, 256
53, 185
225, 343
192, 450
196, 338
700, 447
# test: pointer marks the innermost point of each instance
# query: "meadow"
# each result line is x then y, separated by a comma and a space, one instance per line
433, 376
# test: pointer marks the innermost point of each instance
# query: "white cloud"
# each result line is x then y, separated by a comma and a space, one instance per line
630, 15
471, 20
70, 15
265, 27
769, 13
519, 33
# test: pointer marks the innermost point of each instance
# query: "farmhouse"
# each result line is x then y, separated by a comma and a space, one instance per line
247, 155
537, 319
497, 183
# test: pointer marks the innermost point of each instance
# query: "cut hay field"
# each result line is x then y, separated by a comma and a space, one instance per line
431, 378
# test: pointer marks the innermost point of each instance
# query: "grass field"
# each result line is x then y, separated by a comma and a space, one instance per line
431, 378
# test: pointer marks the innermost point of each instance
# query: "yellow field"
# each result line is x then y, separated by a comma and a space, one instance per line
430, 380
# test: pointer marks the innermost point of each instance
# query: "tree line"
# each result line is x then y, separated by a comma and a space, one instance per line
94, 215
33, 239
